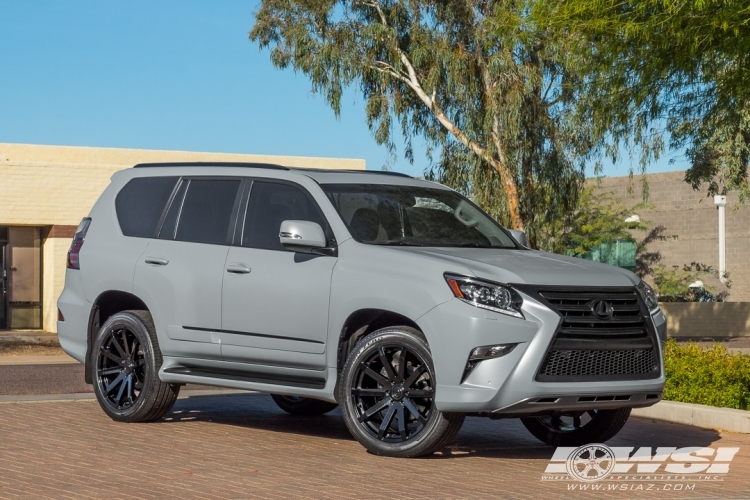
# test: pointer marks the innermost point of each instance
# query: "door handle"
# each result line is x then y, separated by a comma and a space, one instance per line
156, 261
238, 268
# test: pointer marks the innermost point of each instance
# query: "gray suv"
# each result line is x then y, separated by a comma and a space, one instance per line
395, 298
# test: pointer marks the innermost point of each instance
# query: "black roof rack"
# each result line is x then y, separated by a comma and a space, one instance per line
348, 171
268, 166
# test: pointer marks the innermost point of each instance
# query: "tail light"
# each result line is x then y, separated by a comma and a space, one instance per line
75, 247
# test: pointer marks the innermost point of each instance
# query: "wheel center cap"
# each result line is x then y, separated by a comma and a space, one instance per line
128, 365
397, 392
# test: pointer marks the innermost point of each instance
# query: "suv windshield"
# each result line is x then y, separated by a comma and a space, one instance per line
414, 216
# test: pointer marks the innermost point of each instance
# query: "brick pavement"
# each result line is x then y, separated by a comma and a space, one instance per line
242, 446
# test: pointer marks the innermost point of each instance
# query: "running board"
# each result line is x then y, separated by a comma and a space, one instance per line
249, 376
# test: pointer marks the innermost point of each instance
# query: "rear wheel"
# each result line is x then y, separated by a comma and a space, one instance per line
387, 396
297, 405
577, 428
126, 372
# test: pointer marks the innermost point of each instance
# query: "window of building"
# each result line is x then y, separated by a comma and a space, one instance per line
141, 203
207, 211
271, 204
20, 278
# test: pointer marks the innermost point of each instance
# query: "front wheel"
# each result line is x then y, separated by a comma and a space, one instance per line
577, 428
387, 396
126, 371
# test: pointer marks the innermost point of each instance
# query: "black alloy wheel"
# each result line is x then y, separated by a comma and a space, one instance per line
577, 428
125, 362
394, 394
120, 368
387, 395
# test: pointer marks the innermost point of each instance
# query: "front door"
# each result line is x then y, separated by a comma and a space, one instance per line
275, 301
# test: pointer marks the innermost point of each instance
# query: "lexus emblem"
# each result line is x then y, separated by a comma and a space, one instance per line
601, 309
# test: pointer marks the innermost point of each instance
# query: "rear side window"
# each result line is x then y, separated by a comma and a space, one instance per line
207, 211
140, 204
271, 204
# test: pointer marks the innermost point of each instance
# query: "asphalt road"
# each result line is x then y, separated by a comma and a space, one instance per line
49, 379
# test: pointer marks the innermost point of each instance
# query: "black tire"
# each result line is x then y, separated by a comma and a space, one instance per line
125, 369
595, 426
302, 406
387, 396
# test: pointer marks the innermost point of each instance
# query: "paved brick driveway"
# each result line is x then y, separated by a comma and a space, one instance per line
242, 446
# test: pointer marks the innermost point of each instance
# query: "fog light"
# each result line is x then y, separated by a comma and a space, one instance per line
490, 351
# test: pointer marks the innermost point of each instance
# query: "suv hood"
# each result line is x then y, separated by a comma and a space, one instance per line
528, 266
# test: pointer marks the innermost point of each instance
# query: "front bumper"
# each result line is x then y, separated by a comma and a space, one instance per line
507, 385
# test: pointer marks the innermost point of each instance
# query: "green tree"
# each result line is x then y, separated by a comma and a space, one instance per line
600, 218
489, 89
676, 69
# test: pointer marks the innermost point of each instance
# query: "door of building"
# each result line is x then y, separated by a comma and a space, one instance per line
3, 279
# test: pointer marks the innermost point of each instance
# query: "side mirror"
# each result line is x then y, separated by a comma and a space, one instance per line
520, 236
302, 236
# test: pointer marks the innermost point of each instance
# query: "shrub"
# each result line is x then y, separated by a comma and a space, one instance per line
708, 376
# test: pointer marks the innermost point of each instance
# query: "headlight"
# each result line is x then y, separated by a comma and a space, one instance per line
485, 294
649, 296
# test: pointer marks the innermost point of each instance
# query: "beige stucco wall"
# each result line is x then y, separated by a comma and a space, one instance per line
58, 185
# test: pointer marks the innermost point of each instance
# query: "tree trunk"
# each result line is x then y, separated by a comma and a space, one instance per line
511, 194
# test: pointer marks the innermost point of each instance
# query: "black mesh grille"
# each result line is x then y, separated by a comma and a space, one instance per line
588, 363
603, 335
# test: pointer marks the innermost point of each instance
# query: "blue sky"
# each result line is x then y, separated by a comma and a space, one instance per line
169, 75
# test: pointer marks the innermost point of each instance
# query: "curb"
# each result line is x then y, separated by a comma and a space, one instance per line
707, 417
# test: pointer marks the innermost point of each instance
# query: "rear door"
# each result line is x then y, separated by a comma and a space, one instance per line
182, 269
275, 301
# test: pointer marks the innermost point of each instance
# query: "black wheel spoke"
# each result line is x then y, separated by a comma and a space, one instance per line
419, 393
115, 382
377, 377
401, 422
110, 371
592, 414
369, 392
123, 386
387, 364
110, 355
386, 421
123, 335
402, 365
374, 409
414, 376
117, 345
409, 404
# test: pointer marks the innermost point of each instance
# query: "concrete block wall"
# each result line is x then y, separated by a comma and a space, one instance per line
691, 221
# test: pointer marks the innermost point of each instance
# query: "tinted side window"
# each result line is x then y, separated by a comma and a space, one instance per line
271, 204
141, 202
207, 211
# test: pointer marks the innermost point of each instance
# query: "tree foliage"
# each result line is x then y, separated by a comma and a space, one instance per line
600, 218
676, 69
490, 89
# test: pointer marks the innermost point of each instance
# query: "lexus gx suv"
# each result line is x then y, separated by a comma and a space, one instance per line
397, 299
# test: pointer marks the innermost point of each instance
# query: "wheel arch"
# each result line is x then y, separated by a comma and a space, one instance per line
107, 304
364, 321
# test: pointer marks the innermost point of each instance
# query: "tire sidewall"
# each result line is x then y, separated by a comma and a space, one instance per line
606, 424
363, 349
134, 324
